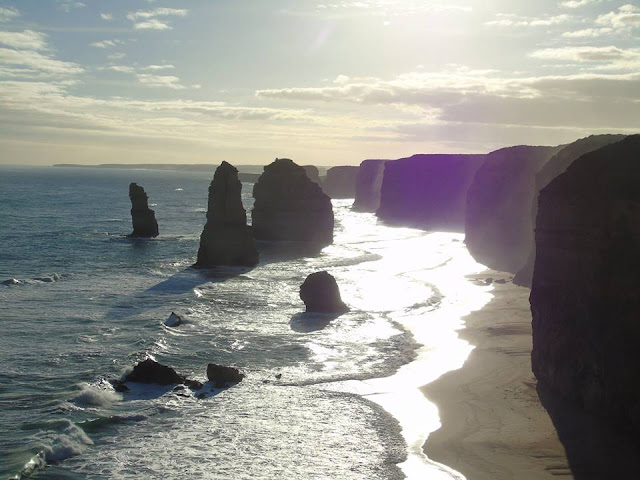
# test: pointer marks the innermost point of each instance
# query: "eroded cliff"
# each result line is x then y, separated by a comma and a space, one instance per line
368, 185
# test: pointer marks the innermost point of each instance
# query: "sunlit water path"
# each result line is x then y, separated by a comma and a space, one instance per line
310, 406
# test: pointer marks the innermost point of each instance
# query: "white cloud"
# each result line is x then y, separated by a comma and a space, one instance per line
627, 16
8, 13
67, 5
27, 40
148, 19
36, 61
611, 55
159, 67
587, 33
385, 8
116, 56
152, 24
106, 43
512, 20
106, 16
577, 3
160, 81
121, 68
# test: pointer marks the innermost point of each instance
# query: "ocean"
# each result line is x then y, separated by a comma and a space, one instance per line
324, 398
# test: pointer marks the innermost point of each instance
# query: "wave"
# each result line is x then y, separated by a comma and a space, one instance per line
93, 396
47, 278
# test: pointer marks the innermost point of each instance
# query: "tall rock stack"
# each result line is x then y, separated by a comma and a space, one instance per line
498, 224
554, 167
142, 217
341, 182
427, 191
585, 296
289, 206
226, 238
368, 185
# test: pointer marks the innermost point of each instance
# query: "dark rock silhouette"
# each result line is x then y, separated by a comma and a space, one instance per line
320, 293
11, 281
142, 217
313, 173
226, 238
289, 206
427, 191
498, 221
221, 375
554, 167
368, 185
174, 320
150, 371
341, 182
585, 298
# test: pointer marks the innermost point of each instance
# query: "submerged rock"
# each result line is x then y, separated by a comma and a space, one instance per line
174, 320
150, 371
554, 167
340, 182
142, 217
289, 206
11, 281
320, 293
498, 222
427, 191
221, 375
585, 300
368, 185
226, 238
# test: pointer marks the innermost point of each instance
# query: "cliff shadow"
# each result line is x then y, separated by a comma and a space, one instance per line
274, 252
595, 451
307, 322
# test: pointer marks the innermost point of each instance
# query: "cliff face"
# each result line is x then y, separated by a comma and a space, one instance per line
142, 217
289, 206
313, 173
554, 167
341, 182
427, 191
368, 185
585, 299
226, 238
498, 221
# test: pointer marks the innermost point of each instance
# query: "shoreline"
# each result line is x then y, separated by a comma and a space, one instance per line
494, 425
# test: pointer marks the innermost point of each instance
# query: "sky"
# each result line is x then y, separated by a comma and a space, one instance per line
323, 82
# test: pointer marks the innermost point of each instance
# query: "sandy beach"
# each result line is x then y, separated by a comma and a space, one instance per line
494, 424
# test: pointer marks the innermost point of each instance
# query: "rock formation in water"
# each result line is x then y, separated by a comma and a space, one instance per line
368, 185
174, 320
554, 167
143, 218
221, 375
320, 293
288, 206
427, 191
226, 238
313, 173
341, 182
150, 371
498, 222
585, 296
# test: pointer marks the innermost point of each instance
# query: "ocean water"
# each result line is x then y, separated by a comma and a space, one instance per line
324, 398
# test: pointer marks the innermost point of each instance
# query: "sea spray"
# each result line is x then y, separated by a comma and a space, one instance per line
93, 396
72, 440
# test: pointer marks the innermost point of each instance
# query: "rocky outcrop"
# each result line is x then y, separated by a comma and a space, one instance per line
150, 371
320, 293
313, 173
498, 221
174, 320
585, 300
427, 191
221, 375
142, 217
554, 167
226, 238
368, 185
341, 182
288, 206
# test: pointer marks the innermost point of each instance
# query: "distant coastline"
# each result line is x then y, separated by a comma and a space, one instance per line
180, 167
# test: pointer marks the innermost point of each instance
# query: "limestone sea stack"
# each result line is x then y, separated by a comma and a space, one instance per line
142, 217
320, 293
313, 173
585, 299
498, 221
554, 167
340, 182
290, 207
368, 185
427, 191
226, 238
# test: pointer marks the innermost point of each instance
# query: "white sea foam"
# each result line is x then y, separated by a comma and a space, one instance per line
71, 441
92, 396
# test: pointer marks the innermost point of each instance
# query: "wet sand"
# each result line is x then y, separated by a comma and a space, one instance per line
494, 424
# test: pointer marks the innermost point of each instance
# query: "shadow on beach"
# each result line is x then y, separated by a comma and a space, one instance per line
594, 450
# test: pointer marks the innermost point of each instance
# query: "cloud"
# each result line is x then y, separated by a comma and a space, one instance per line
159, 67
627, 16
386, 8
106, 43
106, 16
38, 62
611, 55
121, 69
512, 20
160, 81
116, 56
28, 40
67, 5
148, 19
577, 3
8, 13
587, 33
